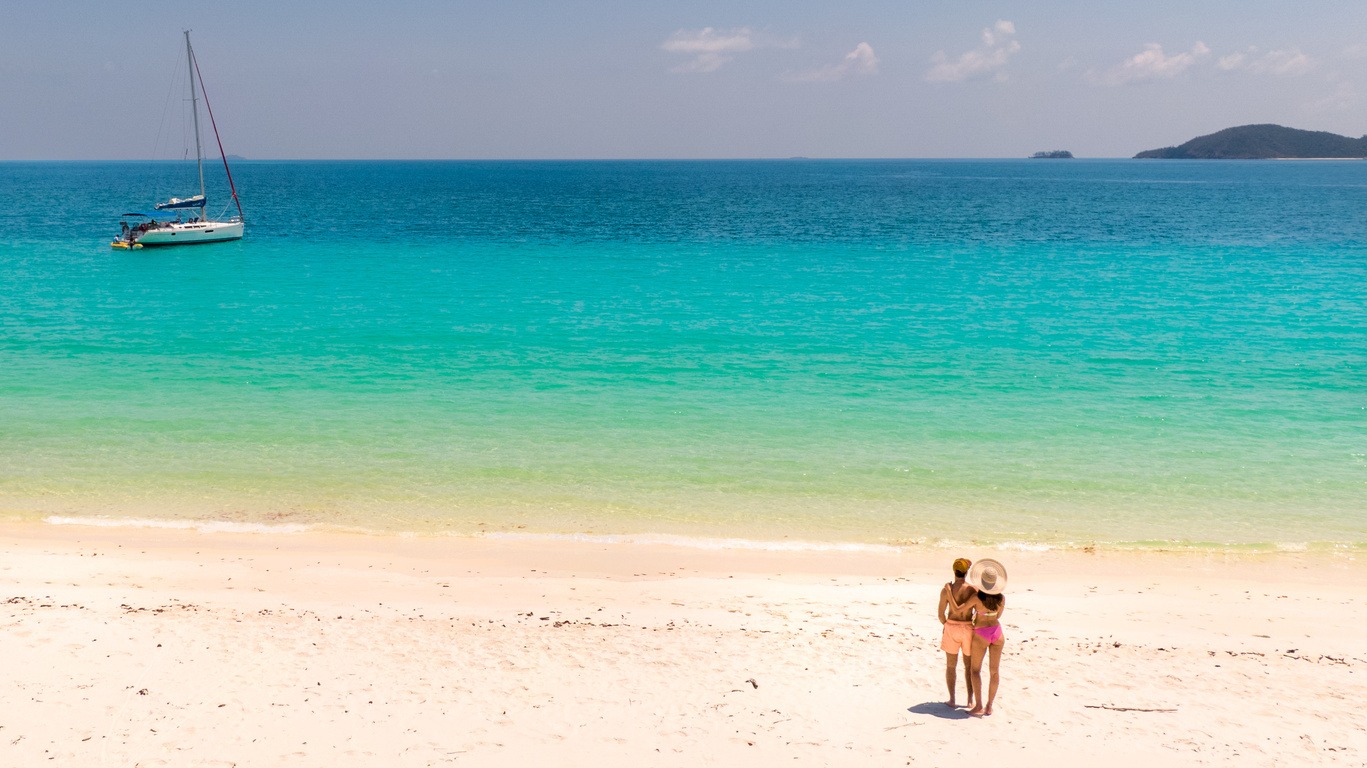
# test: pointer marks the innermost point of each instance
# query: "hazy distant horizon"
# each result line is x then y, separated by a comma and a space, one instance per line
239, 158
422, 79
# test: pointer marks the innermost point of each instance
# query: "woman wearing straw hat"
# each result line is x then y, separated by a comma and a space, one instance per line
988, 605
957, 638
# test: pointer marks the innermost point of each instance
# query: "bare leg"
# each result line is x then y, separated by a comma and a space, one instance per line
952, 661
976, 676
994, 663
968, 678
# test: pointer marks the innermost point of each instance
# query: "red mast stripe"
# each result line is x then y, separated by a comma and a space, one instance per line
214, 125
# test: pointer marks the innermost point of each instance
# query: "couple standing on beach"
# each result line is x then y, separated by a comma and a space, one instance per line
970, 609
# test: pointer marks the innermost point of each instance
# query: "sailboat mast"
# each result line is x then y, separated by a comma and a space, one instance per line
194, 110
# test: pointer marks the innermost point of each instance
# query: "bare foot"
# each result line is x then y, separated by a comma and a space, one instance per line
988, 711
975, 712
951, 704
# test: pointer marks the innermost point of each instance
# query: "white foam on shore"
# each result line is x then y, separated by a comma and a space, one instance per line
700, 543
202, 526
707, 543
217, 526
1023, 546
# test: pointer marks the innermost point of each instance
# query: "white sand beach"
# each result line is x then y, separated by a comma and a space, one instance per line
144, 647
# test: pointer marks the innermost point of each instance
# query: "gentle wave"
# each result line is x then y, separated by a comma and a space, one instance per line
701, 542
733, 543
202, 526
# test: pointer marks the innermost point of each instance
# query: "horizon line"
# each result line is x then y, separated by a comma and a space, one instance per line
794, 158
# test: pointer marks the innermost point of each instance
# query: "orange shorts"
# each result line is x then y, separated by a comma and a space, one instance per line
957, 637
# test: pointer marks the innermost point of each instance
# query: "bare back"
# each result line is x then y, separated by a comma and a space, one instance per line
953, 596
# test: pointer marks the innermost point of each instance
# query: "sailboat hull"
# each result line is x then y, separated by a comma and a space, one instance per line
192, 233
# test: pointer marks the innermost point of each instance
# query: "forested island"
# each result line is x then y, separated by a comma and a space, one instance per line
1263, 142
1055, 154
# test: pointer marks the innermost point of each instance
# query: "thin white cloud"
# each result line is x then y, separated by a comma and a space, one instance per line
999, 44
1232, 62
1287, 62
710, 48
861, 61
1152, 64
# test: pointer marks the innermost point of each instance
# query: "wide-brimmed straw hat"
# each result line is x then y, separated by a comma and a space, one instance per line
988, 576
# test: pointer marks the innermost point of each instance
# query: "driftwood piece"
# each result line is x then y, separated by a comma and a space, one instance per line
1126, 709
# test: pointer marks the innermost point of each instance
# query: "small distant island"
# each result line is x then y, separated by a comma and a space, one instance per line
1263, 142
1056, 154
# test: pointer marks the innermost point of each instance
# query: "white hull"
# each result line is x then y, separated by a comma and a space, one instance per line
191, 233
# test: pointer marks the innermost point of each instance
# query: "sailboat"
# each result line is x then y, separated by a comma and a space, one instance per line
159, 228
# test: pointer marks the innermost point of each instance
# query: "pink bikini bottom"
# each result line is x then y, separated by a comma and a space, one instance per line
992, 634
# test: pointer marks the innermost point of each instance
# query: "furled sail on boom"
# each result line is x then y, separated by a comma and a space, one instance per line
197, 201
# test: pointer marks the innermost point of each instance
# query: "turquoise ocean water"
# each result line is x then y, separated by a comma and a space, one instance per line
1140, 353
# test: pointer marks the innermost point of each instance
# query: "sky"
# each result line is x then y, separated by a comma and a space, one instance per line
519, 79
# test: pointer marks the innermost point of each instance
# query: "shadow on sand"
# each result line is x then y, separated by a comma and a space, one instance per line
938, 709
